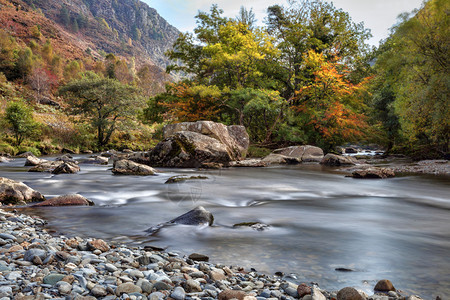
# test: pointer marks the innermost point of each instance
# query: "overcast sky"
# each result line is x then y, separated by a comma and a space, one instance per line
377, 15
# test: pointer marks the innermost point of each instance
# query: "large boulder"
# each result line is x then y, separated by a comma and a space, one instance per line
66, 200
279, 159
305, 153
13, 192
234, 137
189, 149
338, 160
128, 167
96, 160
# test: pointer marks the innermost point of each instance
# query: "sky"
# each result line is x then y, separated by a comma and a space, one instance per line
377, 15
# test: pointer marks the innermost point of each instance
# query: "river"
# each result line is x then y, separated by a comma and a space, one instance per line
320, 220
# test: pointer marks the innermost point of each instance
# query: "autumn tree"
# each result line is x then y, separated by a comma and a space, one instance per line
105, 102
41, 81
328, 105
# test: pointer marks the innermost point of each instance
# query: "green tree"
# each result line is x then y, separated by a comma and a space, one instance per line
412, 72
105, 102
20, 118
313, 25
24, 62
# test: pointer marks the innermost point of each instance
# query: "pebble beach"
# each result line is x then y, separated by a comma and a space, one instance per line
35, 264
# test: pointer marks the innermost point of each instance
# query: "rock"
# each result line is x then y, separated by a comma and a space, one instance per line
66, 200
351, 150
197, 216
249, 163
234, 137
52, 279
278, 159
192, 286
4, 159
384, 285
32, 161
304, 153
317, 294
30, 254
182, 178
156, 296
98, 244
13, 192
215, 275
128, 167
373, 172
67, 158
198, 257
127, 288
66, 168
349, 293
303, 289
64, 288
99, 291
231, 294
46, 166
253, 225
178, 293
189, 149
162, 286
337, 160
97, 160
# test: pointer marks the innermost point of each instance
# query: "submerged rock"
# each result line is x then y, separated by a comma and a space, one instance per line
197, 216
253, 225
128, 167
66, 200
96, 160
183, 178
13, 192
373, 172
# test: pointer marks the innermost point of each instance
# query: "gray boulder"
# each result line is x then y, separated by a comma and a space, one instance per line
305, 153
189, 149
32, 161
128, 167
234, 137
197, 216
13, 192
279, 159
96, 160
338, 160
66, 168
46, 166
373, 172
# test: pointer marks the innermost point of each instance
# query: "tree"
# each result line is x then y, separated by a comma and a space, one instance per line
329, 105
8, 49
20, 117
105, 102
412, 75
313, 25
24, 62
41, 80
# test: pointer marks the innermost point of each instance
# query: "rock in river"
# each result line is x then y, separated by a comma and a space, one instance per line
128, 167
384, 285
191, 144
373, 172
197, 216
338, 160
13, 192
66, 200
305, 153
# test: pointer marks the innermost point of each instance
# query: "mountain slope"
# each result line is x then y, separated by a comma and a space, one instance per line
124, 27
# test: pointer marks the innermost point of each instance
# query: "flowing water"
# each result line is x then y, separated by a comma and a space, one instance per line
319, 220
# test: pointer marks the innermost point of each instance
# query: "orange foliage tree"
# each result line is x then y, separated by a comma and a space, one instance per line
328, 105
187, 103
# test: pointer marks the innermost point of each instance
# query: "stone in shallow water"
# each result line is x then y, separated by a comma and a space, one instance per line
384, 285
349, 293
198, 257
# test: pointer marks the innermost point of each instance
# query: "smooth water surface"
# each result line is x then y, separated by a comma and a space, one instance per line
319, 220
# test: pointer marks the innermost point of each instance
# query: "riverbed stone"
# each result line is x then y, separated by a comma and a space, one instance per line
64, 287
98, 244
232, 294
316, 294
66, 200
198, 257
304, 153
14, 192
178, 293
128, 167
197, 216
192, 286
349, 293
303, 289
127, 288
66, 168
338, 160
384, 285
99, 291
373, 172
52, 279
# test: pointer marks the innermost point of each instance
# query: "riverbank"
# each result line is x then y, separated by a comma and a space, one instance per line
37, 265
